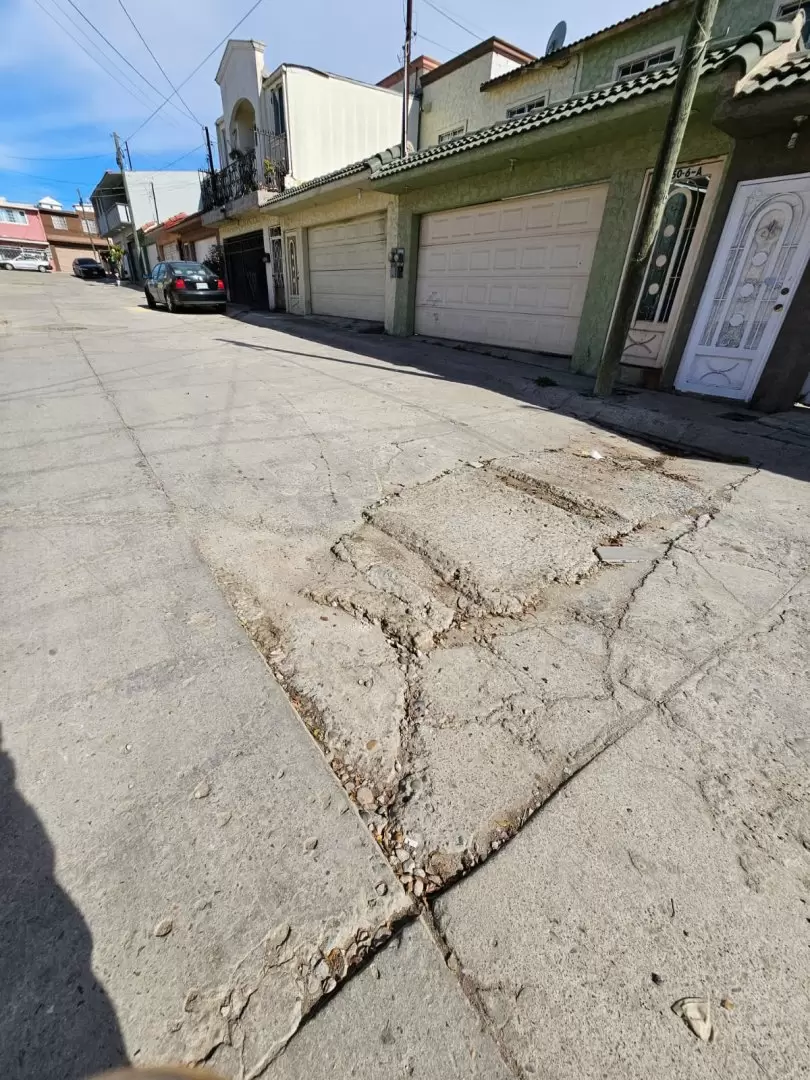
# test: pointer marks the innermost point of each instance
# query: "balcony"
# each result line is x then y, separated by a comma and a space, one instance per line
260, 169
113, 219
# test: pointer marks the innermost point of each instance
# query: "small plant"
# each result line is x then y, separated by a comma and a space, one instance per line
215, 260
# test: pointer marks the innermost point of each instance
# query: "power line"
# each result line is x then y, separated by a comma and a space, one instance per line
430, 41
204, 60
118, 53
116, 76
160, 66
447, 15
119, 76
88, 157
187, 154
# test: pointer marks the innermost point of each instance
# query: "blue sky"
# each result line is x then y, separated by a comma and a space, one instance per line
61, 107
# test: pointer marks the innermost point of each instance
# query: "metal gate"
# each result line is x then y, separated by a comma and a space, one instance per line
245, 270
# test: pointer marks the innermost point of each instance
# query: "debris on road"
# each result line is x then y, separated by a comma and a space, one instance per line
696, 1013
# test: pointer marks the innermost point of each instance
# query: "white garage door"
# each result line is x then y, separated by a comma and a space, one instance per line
509, 273
347, 268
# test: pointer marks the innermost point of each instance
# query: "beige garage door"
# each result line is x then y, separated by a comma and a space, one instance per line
347, 268
509, 273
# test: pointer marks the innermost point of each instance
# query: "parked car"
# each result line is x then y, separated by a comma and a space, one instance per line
88, 268
184, 285
29, 260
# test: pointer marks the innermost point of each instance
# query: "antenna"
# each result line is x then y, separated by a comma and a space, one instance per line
557, 38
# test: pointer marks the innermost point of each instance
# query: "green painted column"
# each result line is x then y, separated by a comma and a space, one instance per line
402, 231
624, 195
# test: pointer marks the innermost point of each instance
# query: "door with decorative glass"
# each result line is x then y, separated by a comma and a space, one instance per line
672, 261
761, 256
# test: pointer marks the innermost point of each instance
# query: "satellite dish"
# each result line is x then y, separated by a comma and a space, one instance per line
557, 38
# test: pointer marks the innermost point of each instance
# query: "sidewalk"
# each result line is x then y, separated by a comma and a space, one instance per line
671, 421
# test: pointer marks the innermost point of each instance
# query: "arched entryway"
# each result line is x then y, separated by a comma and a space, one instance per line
242, 127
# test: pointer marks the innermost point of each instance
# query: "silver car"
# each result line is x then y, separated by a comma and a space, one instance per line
28, 260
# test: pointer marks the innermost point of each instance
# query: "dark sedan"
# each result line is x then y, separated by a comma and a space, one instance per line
181, 285
88, 268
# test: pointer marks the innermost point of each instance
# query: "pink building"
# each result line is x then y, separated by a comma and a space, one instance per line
21, 229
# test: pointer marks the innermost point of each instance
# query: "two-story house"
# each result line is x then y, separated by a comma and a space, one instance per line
20, 230
152, 196
72, 232
514, 233
278, 131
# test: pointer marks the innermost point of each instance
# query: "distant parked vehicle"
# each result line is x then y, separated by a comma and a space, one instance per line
88, 268
28, 260
184, 285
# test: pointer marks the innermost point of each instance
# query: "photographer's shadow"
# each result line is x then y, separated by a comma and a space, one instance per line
56, 1021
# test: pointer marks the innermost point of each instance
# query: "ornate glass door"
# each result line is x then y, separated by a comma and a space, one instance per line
760, 259
671, 263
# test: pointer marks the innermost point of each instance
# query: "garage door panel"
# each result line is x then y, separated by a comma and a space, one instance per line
347, 263
513, 273
522, 331
555, 296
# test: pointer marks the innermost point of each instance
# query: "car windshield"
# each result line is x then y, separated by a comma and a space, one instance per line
194, 271
87, 262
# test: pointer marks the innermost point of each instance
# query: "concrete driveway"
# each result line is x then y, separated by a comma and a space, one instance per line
301, 628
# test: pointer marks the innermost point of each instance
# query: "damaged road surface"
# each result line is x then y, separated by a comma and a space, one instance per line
296, 639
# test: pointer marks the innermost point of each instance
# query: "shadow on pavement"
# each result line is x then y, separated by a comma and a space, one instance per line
682, 426
56, 1021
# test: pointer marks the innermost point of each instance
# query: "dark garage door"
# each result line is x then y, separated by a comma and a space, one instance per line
245, 270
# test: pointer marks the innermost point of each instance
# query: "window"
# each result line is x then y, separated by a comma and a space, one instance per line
58, 222
89, 226
526, 107
453, 133
638, 65
292, 265
13, 217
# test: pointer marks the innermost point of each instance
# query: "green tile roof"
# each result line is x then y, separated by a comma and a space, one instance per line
626, 90
792, 73
370, 164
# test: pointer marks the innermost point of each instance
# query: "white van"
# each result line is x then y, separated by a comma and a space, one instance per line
29, 260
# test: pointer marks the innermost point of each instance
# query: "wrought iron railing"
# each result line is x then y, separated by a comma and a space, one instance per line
261, 168
231, 183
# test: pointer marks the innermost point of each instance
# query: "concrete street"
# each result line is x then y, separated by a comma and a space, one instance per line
378, 708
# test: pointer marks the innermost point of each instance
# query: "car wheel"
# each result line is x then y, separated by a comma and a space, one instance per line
171, 305
7, 266
150, 300
42, 269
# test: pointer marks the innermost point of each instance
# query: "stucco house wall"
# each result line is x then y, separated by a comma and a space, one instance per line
556, 80
332, 121
456, 98
175, 193
598, 64
239, 77
29, 233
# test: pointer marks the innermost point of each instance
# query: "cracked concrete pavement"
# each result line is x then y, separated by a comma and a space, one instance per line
494, 630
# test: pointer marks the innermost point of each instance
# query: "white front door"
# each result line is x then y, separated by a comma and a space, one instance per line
760, 259
512, 273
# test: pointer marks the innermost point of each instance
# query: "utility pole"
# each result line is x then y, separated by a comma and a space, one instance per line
141, 263
154, 200
84, 219
129, 159
119, 154
683, 94
406, 71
